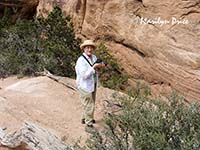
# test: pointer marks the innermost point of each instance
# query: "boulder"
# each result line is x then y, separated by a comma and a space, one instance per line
32, 137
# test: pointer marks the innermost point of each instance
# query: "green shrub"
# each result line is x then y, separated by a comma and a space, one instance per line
61, 46
146, 124
111, 76
29, 46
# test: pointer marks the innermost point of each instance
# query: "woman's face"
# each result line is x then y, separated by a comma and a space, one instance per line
88, 50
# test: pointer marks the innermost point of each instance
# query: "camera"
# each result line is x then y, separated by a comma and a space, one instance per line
100, 61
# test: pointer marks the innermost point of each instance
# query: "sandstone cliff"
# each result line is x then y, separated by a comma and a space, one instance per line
158, 41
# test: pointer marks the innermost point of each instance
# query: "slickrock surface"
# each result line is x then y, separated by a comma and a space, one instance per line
46, 103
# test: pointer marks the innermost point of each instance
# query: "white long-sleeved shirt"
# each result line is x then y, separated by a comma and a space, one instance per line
85, 73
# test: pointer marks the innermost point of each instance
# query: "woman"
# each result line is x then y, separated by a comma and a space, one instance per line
86, 79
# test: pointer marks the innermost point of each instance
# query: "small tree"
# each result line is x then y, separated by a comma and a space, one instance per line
111, 76
29, 46
146, 124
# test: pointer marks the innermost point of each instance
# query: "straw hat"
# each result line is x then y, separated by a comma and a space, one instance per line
87, 43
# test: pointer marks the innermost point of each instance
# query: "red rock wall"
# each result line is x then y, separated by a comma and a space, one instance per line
161, 38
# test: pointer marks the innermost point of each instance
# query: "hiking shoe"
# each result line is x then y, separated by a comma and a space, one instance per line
93, 121
83, 121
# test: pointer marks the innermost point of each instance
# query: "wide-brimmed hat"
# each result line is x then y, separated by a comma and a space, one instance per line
87, 43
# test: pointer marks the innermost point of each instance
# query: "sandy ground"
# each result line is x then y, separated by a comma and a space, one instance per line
47, 103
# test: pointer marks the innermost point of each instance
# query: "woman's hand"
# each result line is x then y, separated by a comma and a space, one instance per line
98, 65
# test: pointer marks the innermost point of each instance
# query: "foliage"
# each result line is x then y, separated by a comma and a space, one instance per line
111, 76
29, 46
146, 124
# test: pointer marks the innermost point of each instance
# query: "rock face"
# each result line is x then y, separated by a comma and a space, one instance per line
49, 103
161, 38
